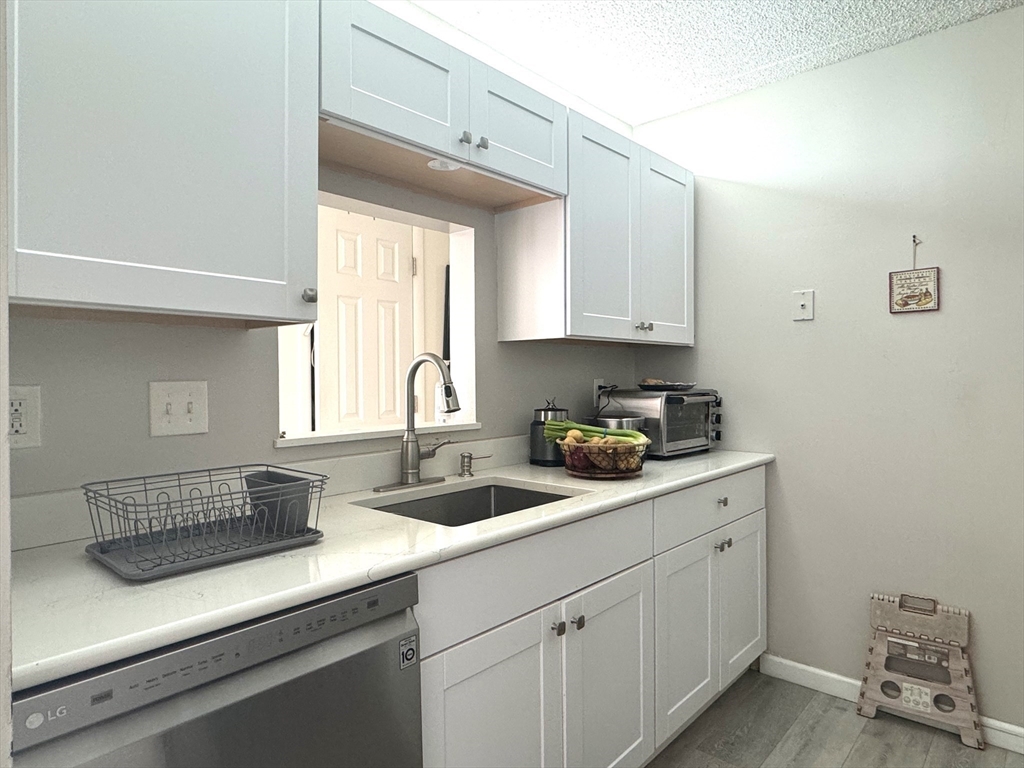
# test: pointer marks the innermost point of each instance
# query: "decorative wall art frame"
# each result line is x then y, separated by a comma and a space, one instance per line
914, 290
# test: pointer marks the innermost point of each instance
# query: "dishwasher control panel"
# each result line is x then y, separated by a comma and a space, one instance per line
54, 709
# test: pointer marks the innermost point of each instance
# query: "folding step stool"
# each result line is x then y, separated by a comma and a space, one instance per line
918, 667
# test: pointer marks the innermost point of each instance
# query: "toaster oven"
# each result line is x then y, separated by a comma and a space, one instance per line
677, 423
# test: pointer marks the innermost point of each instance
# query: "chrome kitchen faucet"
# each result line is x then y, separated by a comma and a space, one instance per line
411, 452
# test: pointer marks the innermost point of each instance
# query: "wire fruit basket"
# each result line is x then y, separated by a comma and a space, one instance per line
595, 461
148, 527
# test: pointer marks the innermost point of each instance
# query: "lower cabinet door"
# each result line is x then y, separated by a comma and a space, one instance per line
496, 700
742, 590
609, 671
686, 633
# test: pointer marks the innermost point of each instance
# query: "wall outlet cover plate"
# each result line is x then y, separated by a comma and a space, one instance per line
178, 408
24, 421
803, 305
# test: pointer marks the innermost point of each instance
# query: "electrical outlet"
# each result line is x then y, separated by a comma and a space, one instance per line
177, 408
598, 383
24, 422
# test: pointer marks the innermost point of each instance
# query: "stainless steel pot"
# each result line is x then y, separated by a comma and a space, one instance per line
635, 423
542, 452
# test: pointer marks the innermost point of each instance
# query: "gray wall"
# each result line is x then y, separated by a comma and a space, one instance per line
95, 391
900, 439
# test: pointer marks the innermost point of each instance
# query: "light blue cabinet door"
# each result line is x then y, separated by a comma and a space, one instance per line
517, 131
665, 298
385, 74
165, 156
603, 248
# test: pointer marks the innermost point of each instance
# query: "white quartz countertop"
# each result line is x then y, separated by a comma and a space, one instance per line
70, 613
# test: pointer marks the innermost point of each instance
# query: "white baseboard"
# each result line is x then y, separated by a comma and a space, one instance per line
996, 732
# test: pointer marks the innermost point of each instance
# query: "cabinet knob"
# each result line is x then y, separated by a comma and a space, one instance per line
466, 137
309, 295
720, 546
483, 143
716, 418
642, 326
580, 622
724, 501
650, 326
716, 435
729, 542
558, 628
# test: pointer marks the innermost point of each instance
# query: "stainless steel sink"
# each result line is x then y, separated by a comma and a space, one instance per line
464, 505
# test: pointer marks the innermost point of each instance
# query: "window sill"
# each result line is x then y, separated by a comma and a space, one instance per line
370, 434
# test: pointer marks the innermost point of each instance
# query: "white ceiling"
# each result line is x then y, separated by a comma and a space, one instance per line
640, 60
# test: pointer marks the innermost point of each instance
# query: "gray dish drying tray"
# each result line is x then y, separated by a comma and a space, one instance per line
148, 527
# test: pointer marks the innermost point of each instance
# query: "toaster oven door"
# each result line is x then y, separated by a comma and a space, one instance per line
686, 425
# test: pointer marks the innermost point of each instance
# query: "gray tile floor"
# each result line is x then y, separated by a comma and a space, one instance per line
762, 721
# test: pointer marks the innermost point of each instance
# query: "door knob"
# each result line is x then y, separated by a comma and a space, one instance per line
466, 138
580, 622
558, 628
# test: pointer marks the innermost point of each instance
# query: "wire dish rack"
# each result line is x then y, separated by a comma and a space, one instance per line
148, 527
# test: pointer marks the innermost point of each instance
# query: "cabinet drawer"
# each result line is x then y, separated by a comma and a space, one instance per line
463, 597
692, 512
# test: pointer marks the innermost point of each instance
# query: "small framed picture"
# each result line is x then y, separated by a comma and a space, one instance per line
914, 290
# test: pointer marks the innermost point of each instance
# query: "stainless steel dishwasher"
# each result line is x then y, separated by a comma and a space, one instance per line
335, 682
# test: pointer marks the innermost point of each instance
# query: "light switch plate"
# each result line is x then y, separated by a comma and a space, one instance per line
177, 408
24, 422
803, 305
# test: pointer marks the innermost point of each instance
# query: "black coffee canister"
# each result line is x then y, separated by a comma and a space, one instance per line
543, 453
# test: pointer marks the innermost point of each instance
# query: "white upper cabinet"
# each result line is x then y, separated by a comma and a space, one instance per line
665, 300
165, 156
391, 77
604, 230
613, 261
385, 74
516, 130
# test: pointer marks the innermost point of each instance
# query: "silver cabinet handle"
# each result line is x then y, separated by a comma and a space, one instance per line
650, 326
724, 501
483, 143
309, 295
558, 628
466, 137
580, 622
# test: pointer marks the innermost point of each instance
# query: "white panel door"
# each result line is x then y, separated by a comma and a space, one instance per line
383, 73
166, 156
496, 700
665, 289
603, 209
609, 671
516, 130
366, 319
742, 593
686, 633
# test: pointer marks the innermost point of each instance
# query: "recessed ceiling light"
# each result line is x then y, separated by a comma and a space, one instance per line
440, 164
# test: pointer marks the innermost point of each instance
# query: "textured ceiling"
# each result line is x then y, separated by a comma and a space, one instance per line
640, 60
